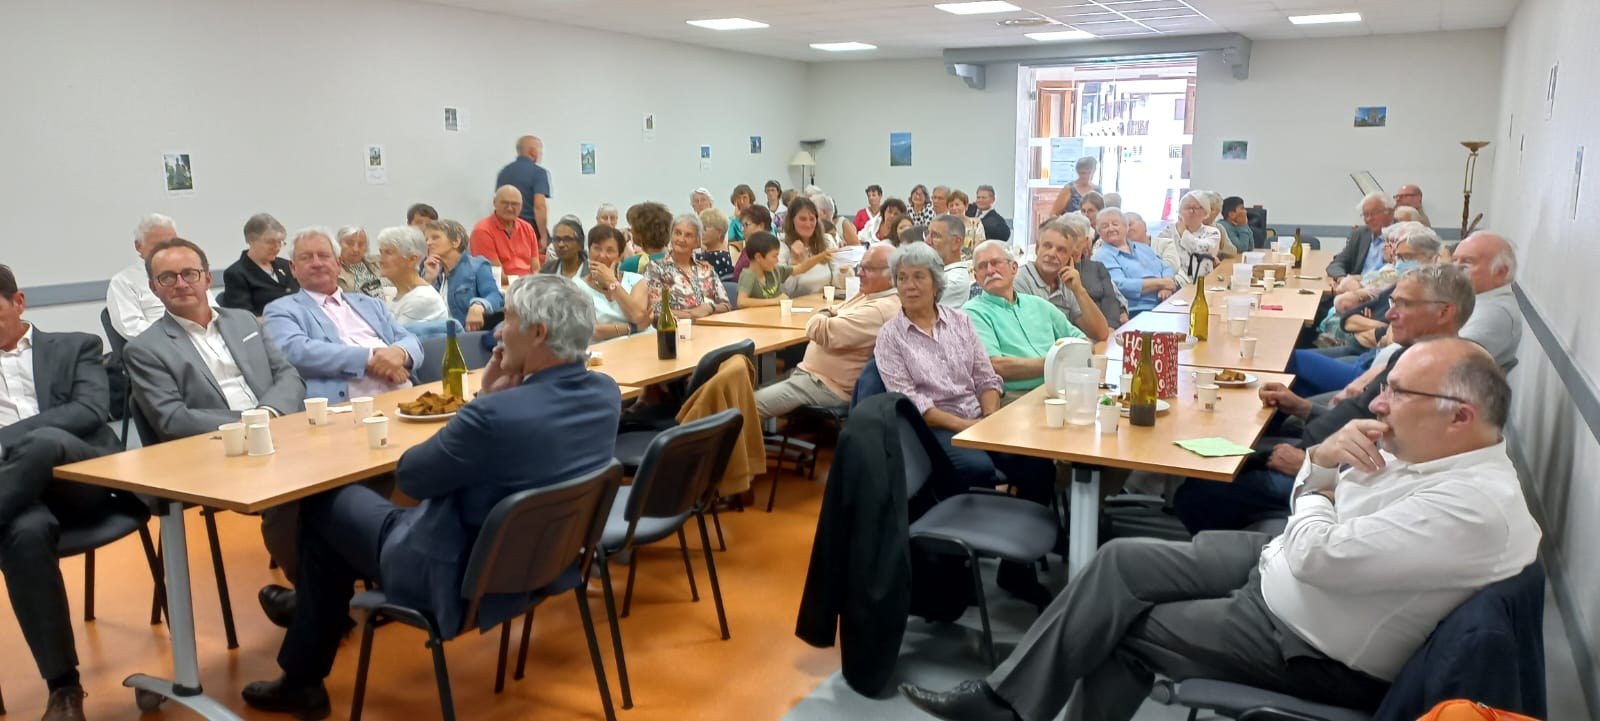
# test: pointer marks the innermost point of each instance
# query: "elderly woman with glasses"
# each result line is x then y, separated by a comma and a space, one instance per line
259, 276
689, 286
357, 273
416, 304
567, 257
1189, 246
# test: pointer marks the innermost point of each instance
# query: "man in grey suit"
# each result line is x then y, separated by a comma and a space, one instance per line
200, 366
1360, 254
54, 406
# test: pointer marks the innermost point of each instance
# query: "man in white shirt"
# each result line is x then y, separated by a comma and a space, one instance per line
946, 235
1427, 511
129, 302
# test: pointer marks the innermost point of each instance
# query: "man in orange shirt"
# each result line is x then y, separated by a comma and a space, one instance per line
504, 239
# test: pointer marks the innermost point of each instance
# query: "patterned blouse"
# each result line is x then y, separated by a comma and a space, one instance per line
720, 260
921, 217
689, 289
947, 370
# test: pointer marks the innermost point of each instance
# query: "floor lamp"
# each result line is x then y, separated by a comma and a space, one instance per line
1472, 146
807, 165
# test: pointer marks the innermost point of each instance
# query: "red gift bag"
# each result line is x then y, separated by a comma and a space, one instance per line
1164, 353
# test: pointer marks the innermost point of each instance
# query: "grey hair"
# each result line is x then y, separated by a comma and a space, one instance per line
1446, 283
993, 243
938, 188
1081, 222
312, 232
1069, 227
1199, 196
1506, 259
699, 191
693, 220
1113, 200
1419, 237
1130, 216
1087, 161
263, 224
151, 222
347, 231
982, 188
919, 255
1108, 212
602, 210
561, 307
1388, 202
1406, 213
1214, 199
1480, 381
824, 203
812, 190
406, 240
956, 226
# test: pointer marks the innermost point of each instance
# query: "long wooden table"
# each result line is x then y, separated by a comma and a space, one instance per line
1020, 428
631, 360
1275, 339
1299, 304
768, 316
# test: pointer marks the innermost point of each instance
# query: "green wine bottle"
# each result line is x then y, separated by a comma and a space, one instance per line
1298, 250
1199, 311
666, 330
1142, 404
455, 364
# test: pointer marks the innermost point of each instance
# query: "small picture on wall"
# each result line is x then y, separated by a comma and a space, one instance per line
899, 150
755, 145
1372, 116
377, 171
179, 173
452, 120
649, 128
1235, 149
586, 157
705, 158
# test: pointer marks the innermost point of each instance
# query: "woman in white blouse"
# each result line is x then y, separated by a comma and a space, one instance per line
802, 239
1189, 246
416, 304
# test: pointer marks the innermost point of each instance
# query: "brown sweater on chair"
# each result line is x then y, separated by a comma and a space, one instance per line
733, 386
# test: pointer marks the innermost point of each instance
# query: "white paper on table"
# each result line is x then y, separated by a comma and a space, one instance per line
798, 309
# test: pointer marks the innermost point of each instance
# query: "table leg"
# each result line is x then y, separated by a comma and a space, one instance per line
150, 691
1084, 527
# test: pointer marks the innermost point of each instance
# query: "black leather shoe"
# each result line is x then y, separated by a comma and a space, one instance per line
66, 704
971, 701
278, 603
307, 703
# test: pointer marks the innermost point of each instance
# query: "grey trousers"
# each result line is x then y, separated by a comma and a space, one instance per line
1181, 609
799, 389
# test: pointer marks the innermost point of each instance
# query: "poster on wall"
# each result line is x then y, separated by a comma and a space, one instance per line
705, 158
452, 120
755, 145
649, 130
377, 170
1235, 150
1064, 154
179, 173
899, 150
586, 158
1372, 116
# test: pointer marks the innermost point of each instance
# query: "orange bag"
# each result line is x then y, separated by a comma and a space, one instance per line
1464, 710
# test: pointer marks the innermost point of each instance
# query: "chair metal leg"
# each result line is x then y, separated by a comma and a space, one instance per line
441, 674
616, 630
88, 585
500, 666
722, 545
772, 495
711, 570
522, 652
158, 596
594, 652
683, 545
364, 660
627, 592
222, 577
983, 610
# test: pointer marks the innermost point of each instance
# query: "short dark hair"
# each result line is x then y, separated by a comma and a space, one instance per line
913, 234
8, 283
422, 209
760, 243
742, 189
897, 204
758, 214
1231, 203
875, 188
773, 185
602, 233
205, 264
453, 231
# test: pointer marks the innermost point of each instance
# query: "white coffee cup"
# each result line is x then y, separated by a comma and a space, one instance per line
1125, 384
232, 439
1247, 348
1055, 412
1107, 418
254, 417
1236, 326
1099, 362
1269, 278
827, 293
786, 307
260, 439
317, 411
377, 431
685, 329
1204, 376
361, 408
1208, 397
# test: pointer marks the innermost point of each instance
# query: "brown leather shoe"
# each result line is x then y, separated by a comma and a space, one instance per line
66, 704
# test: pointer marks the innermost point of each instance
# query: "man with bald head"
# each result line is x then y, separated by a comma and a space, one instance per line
1496, 322
532, 181
1410, 196
506, 240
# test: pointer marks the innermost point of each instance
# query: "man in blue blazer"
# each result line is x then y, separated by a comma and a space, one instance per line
536, 384
344, 345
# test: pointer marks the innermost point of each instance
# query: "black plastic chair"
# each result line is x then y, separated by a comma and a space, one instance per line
117, 345
979, 523
677, 479
529, 540
732, 289
804, 453
432, 369
632, 444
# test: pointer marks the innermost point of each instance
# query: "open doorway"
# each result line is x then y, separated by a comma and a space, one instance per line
1135, 118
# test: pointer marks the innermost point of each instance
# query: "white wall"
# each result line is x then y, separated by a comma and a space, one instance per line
1297, 110
1558, 252
961, 137
276, 102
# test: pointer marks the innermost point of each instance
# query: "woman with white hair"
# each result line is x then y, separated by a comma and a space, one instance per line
1190, 246
689, 286
416, 304
357, 274
1213, 211
1144, 279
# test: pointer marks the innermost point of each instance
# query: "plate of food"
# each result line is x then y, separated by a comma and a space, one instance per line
429, 407
1122, 405
1235, 379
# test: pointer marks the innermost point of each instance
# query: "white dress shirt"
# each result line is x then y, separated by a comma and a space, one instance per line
219, 361
19, 398
1366, 578
130, 303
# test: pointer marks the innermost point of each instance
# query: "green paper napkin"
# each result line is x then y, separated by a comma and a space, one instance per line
1215, 447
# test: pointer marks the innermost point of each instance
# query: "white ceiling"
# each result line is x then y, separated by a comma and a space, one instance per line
913, 29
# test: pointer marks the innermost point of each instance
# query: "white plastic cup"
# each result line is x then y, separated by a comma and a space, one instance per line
1055, 412
361, 408
260, 439
685, 329
254, 417
1099, 362
827, 293
1204, 377
317, 411
377, 431
1107, 417
1125, 386
786, 307
1247, 348
1269, 278
1208, 398
232, 439
1236, 326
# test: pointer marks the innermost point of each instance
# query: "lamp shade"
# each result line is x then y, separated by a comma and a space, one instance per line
803, 158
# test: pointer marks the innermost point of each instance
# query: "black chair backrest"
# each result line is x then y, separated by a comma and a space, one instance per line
917, 463
868, 384
532, 537
1256, 218
112, 336
432, 368
732, 289
711, 362
141, 425
681, 466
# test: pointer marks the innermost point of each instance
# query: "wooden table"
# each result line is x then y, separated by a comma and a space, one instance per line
1275, 339
631, 360
1294, 303
767, 316
1020, 428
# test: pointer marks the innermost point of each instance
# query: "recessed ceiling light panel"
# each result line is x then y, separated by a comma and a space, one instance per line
1325, 19
978, 8
842, 47
1059, 35
728, 24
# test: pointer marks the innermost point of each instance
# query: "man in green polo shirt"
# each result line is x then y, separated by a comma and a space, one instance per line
1016, 329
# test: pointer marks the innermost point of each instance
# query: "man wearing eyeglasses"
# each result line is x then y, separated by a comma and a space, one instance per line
1410, 196
1397, 520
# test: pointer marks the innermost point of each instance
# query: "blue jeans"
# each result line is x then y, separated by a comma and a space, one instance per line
1256, 493
1034, 478
1316, 373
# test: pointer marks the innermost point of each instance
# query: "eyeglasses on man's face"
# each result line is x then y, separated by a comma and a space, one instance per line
1394, 393
169, 278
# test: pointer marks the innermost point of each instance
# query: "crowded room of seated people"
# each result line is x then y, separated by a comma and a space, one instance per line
977, 361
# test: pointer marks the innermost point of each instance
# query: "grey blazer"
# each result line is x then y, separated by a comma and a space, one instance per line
69, 380
178, 394
1351, 260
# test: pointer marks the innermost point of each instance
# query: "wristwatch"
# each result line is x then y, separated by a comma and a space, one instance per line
614, 285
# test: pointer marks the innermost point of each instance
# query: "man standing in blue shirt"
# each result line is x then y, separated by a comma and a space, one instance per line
527, 175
